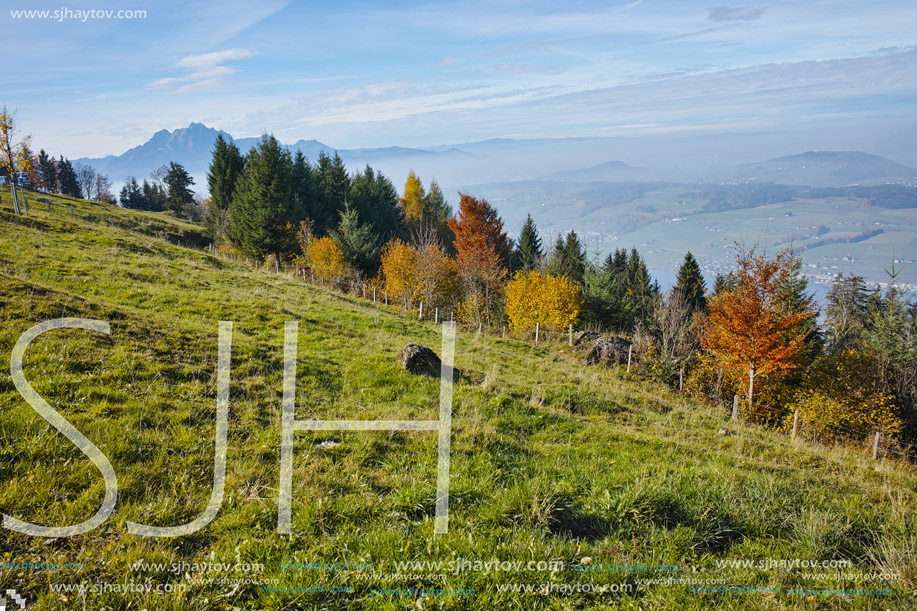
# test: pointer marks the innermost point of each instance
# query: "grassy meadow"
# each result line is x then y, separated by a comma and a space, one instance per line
552, 460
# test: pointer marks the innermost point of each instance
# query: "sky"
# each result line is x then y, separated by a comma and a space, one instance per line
370, 74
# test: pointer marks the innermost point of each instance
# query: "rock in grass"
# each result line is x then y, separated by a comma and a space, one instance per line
419, 359
608, 351
582, 340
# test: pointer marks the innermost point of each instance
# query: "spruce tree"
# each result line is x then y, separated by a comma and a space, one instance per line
260, 208
333, 187
226, 166
360, 244
529, 250
67, 178
439, 212
691, 283
178, 183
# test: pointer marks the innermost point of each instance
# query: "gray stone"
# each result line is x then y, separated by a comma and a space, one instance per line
419, 359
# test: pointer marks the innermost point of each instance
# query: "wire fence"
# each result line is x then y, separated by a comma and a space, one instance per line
774, 417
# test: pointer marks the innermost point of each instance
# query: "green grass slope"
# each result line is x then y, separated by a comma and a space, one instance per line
551, 460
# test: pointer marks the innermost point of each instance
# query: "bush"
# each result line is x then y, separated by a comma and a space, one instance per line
842, 390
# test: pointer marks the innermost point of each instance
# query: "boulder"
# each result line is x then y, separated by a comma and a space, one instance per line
608, 351
582, 340
419, 359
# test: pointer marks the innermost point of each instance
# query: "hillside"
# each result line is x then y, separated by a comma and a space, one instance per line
552, 460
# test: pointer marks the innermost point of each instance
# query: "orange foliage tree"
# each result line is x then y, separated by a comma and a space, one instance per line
481, 244
326, 259
552, 301
748, 328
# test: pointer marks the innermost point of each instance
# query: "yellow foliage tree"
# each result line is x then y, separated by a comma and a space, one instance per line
841, 390
400, 270
532, 297
439, 285
414, 200
325, 259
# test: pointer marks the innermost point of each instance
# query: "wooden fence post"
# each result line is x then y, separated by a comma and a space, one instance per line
875, 446
71, 212
735, 407
681, 379
436, 316
374, 294
480, 326
421, 310
537, 331
504, 331
795, 423
630, 351
570, 340
49, 206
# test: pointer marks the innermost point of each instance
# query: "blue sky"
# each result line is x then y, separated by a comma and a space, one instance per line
369, 74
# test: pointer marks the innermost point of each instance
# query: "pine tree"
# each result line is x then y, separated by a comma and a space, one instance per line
306, 203
333, 188
178, 183
439, 212
529, 250
131, 195
260, 208
226, 165
67, 178
374, 197
47, 172
568, 258
691, 283
359, 243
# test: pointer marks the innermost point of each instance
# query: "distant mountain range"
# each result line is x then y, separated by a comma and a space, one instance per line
501, 160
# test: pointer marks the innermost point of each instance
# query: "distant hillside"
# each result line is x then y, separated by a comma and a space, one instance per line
610, 171
827, 169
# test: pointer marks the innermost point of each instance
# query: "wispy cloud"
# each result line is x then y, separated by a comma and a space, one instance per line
203, 71
739, 13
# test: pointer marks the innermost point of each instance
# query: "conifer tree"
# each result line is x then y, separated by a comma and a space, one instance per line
691, 283
333, 188
67, 178
359, 243
260, 208
178, 183
528, 249
226, 166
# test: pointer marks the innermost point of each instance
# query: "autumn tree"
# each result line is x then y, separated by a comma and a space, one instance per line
748, 328
481, 245
399, 267
413, 201
325, 259
549, 300
15, 157
438, 284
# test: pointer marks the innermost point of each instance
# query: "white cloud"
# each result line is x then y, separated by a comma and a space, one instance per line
203, 71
